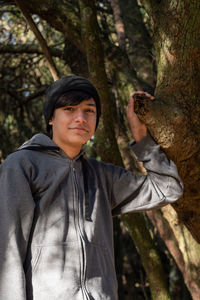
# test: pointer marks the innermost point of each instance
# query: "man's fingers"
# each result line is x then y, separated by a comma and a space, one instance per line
143, 95
130, 106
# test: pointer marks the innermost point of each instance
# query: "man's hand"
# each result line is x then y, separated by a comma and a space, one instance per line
138, 128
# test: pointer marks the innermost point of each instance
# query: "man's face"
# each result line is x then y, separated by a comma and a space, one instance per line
73, 126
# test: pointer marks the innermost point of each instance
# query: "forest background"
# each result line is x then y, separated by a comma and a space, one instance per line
122, 46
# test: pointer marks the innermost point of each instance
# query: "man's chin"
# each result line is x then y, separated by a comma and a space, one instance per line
80, 141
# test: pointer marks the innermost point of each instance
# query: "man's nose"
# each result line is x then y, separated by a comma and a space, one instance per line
80, 116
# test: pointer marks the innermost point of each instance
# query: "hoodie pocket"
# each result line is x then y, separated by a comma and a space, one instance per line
55, 271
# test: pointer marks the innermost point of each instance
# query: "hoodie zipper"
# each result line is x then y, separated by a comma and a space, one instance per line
80, 234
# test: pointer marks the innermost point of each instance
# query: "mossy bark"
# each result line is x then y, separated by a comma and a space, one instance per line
150, 258
173, 119
181, 245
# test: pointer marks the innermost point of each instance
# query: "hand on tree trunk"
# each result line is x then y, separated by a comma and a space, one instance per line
138, 128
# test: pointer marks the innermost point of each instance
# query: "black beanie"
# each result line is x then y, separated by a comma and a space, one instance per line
66, 84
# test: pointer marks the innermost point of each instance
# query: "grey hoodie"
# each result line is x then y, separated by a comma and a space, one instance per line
56, 236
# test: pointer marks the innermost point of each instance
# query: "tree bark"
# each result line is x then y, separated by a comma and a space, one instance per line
150, 257
181, 245
173, 119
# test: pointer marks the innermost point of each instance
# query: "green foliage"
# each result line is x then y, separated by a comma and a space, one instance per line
23, 79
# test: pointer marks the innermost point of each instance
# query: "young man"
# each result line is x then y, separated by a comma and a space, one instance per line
56, 205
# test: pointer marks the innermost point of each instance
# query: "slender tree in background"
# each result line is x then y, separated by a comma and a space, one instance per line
118, 55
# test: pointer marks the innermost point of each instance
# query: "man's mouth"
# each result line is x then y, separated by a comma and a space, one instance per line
79, 128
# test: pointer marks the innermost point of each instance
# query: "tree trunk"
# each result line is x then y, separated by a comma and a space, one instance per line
150, 257
107, 145
173, 119
181, 245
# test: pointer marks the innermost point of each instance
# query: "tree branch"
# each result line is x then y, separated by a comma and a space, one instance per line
119, 23
38, 93
29, 49
59, 15
40, 38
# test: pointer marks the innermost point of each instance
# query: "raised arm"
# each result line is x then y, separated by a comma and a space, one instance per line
159, 186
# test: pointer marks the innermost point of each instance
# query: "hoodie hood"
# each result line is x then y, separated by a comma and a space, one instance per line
39, 141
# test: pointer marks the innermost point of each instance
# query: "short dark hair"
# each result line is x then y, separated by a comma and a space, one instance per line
71, 98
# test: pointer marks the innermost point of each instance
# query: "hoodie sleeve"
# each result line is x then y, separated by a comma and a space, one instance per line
160, 186
16, 214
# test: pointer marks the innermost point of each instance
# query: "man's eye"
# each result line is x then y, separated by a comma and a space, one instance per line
69, 108
90, 111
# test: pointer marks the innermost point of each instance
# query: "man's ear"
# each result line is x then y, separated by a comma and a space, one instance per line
50, 121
